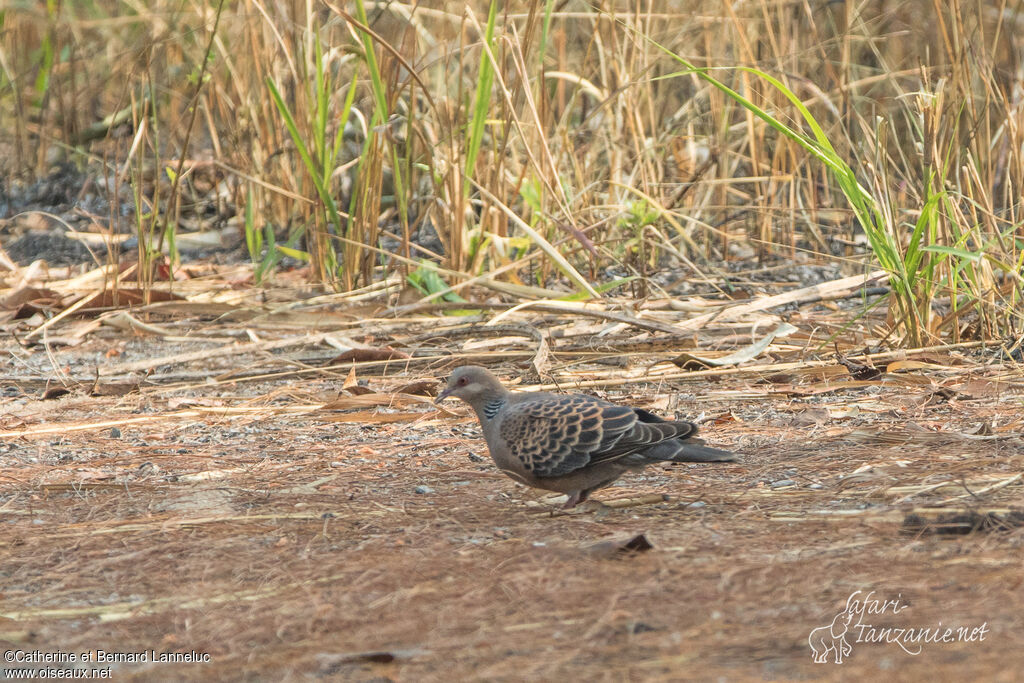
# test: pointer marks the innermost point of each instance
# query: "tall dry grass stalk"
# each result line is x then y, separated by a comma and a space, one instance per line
472, 135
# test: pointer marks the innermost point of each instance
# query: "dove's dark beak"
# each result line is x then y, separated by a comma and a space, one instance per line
443, 395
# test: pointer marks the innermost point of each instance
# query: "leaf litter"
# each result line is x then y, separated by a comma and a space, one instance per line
207, 472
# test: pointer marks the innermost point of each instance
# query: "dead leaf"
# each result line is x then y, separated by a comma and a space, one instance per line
691, 361
93, 475
423, 387
811, 416
843, 412
23, 295
983, 429
907, 365
113, 389
860, 371
907, 379
123, 321
608, 547
983, 388
209, 475
351, 380
25, 302
367, 355
54, 392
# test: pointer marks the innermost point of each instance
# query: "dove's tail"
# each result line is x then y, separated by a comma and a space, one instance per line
689, 450
694, 452
686, 449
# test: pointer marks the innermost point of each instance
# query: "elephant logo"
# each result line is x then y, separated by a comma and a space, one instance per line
832, 639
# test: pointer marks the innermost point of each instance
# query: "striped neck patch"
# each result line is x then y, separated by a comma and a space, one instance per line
492, 407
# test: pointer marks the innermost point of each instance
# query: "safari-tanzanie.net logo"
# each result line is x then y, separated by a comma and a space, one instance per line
857, 624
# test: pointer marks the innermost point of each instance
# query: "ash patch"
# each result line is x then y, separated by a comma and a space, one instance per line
53, 246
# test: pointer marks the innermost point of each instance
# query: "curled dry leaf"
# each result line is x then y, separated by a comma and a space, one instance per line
692, 361
54, 392
616, 545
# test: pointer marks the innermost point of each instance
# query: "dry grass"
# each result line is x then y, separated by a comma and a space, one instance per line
590, 136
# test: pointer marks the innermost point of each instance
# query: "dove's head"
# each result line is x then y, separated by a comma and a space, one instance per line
472, 384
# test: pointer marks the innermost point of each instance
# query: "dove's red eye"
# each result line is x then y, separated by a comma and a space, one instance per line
462, 381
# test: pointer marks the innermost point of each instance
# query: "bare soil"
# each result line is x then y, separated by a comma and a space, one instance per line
292, 532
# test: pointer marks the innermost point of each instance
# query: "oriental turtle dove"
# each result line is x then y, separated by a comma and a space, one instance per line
573, 443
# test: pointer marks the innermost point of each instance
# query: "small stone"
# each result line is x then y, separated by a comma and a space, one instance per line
337, 464
816, 487
782, 483
115, 433
697, 504
474, 457
423, 489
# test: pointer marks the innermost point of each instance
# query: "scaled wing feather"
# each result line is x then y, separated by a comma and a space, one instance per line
556, 435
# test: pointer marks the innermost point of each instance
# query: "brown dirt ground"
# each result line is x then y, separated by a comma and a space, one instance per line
290, 543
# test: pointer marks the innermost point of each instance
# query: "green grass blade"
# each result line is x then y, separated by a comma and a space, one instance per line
482, 100
300, 146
